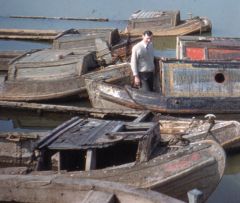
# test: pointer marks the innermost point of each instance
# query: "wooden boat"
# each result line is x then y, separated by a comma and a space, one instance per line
66, 111
207, 48
180, 87
224, 132
47, 74
166, 23
130, 153
33, 189
109, 45
77, 38
17, 145
29, 34
26, 116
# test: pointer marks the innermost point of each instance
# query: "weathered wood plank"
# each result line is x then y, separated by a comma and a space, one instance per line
75, 110
100, 197
46, 188
90, 160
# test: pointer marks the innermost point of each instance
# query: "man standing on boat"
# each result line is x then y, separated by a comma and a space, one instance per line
142, 62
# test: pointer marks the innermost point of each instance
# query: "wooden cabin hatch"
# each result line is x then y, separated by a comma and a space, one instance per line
86, 144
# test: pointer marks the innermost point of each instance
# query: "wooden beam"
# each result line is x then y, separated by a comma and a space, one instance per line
100, 197
90, 160
195, 196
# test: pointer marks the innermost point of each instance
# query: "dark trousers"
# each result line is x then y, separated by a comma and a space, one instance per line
146, 81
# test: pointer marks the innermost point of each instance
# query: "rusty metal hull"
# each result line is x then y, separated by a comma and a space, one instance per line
207, 48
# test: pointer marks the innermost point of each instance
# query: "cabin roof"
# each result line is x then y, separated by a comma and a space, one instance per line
84, 37
144, 19
152, 14
95, 133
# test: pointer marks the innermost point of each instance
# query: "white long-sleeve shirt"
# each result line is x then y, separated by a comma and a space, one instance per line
142, 59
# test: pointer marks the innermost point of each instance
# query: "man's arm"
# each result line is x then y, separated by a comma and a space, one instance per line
134, 58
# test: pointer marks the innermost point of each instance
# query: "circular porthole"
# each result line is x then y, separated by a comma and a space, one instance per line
219, 78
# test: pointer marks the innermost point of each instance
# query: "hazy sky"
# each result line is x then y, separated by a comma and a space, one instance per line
223, 14
110, 8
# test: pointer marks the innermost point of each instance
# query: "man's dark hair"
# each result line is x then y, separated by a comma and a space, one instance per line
148, 33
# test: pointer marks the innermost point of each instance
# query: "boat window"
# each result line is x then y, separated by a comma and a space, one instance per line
219, 78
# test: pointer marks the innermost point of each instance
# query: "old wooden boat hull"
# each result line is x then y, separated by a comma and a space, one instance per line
77, 38
166, 23
46, 74
17, 148
184, 87
199, 165
131, 153
226, 133
163, 168
31, 188
37, 108
29, 34
207, 48
112, 96
109, 44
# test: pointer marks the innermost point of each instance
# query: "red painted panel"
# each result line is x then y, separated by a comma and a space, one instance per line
195, 53
229, 54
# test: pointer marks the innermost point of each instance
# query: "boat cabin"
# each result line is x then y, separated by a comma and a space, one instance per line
48, 64
207, 48
83, 38
200, 79
47, 74
166, 23
164, 19
86, 144
108, 44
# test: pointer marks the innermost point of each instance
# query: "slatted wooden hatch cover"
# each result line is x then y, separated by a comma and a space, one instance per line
91, 143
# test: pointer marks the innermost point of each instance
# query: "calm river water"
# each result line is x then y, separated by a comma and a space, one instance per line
223, 14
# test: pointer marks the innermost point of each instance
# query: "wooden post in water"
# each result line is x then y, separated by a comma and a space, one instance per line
195, 196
